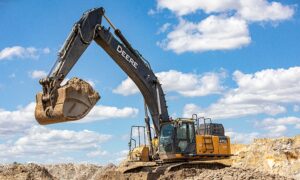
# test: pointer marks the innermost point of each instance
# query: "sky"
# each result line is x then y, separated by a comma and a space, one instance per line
236, 61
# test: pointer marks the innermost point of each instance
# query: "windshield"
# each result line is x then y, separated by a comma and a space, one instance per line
165, 139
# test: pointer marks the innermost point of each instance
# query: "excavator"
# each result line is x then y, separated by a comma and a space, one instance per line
168, 140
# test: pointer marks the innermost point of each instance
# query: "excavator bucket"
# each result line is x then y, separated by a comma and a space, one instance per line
74, 101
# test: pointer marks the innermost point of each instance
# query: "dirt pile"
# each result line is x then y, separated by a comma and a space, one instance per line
94, 172
24, 172
73, 171
277, 156
263, 159
229, 173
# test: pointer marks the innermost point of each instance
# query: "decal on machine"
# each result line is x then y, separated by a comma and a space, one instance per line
127, 57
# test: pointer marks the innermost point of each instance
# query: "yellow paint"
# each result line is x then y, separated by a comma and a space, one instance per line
155, 144
140, 154
207, 144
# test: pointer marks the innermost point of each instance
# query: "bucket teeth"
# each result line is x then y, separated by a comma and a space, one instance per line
74, 101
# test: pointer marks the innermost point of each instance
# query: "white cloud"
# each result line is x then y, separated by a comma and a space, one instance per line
279, 121
46, 50
262, 10
226, 26
190, 109
263, 92
213, 33
127, 87
18, 121
101, 112
23, 140
96, 153
252, 10
40, 141
37, 74
22, 52
163, 28
276, 131
186, 84
277, 127
242, 138
181, 8
120, 156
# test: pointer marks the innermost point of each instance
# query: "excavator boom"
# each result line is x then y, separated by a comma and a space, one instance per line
55, 104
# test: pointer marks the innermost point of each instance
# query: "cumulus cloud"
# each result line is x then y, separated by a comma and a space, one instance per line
37, 74
263, 92
120, 156
101, 112
276, 127
40, 141
186, 84
46, 50
242, 138
23, 140
213, 33
254, 10
96, 153
226, 26
127, 87
17, 121
164, 28
262, 10
181, 8
20, 120
22, 52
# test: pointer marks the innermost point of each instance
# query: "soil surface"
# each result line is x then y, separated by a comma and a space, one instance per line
263, 159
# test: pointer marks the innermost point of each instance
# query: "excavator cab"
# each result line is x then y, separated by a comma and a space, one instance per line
177, 137
187, 139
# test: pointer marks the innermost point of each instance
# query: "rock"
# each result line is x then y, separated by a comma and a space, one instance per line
276, 156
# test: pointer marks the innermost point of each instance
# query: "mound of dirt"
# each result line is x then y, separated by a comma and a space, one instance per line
277, 156
73, 171
263, 159
24, 172
228, 173
94, 172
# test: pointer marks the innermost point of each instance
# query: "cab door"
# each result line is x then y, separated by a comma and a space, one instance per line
185, 138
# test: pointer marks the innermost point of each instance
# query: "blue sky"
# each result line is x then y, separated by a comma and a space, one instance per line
235, 61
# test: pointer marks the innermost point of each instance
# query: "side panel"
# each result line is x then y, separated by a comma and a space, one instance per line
200, 149
224, 146
212, 145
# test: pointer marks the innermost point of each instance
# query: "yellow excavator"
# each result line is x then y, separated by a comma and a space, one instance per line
169, 140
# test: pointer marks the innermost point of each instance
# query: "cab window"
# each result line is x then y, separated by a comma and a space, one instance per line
166, 138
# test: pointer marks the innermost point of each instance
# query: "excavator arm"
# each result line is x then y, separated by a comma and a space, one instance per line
90, 28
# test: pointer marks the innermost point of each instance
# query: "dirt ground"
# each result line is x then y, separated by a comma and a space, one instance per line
263, 159
89, 171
